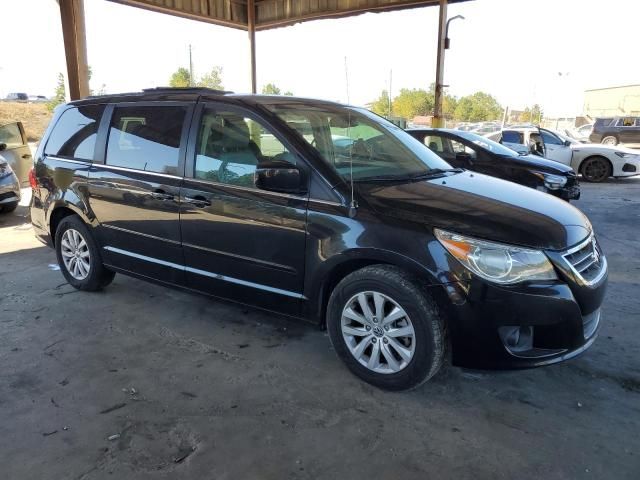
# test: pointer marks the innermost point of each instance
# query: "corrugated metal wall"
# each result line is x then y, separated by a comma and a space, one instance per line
274, 13
271, 13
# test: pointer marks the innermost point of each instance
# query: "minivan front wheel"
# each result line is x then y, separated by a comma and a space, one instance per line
385, 328
79, 257
610, 140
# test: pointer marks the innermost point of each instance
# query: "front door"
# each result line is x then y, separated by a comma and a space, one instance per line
555, 148
135, 193
239, 241
16, 151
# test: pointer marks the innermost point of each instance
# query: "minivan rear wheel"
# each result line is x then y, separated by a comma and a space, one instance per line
79, 257
386, 328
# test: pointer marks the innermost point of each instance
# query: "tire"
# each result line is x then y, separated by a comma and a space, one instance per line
595, 169
609, 140
424, 350
8, 207
74, 241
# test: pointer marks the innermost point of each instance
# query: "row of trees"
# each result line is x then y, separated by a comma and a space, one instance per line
213, 79
410, 103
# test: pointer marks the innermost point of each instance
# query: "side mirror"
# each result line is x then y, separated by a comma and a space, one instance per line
3, 146
567, 143
277, 176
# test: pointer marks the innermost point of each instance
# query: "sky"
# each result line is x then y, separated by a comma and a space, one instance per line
542, 51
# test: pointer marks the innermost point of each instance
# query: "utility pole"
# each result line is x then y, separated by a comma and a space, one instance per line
438, 121
390, 78
251, 28
191, 83
443, 44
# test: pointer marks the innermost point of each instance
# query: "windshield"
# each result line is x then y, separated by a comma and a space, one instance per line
353, 138
487, 144
566, 137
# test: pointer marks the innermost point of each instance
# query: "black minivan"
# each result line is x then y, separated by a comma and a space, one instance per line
320, 211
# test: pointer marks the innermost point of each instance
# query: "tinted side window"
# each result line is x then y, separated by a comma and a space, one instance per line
146, 138
459, 147
550, 139
230, 147
434, 143
509, 136
74, 135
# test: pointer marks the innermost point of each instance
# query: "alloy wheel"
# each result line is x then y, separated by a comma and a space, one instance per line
596, 170
75, 254
378, 332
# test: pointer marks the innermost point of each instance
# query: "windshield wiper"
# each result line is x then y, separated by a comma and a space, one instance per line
439, 172
433, 173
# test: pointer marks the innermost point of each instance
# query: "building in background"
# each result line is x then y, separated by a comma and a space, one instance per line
612, 101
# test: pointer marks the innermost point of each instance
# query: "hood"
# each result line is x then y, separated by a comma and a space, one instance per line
597, 147
483, 207
542, 164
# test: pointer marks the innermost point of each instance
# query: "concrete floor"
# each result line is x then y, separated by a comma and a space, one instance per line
201, 389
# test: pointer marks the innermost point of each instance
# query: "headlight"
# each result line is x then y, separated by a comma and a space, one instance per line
496, 262
625, 154
551, 181
5, 169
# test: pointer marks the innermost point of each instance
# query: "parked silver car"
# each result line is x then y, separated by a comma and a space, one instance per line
9, 188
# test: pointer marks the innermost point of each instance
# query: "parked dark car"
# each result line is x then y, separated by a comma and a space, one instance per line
401, 256
479, 154
615, 130
9, 187
17, 97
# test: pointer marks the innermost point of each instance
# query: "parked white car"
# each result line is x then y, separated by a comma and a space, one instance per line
595, 162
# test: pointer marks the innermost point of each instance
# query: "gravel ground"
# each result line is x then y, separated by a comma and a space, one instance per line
140, 381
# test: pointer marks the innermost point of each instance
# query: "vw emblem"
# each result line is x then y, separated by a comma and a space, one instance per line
377, 331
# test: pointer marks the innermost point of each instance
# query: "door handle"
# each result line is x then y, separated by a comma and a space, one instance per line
26, 155
162, 195
198, 201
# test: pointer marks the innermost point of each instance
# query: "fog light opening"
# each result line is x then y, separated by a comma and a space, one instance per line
517, 338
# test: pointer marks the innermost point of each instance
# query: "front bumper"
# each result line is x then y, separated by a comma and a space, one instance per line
521, 326
9, 189
567, 193
629, 168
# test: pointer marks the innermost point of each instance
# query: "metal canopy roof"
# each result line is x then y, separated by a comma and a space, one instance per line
271, 13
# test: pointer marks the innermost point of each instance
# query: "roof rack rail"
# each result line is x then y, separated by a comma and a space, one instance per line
186, 90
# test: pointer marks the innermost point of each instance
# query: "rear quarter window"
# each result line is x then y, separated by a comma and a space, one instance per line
509, 136
75, 133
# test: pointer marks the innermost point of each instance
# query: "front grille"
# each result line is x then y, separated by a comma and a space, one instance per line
587, 260
572, 180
